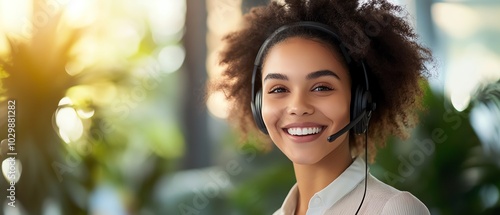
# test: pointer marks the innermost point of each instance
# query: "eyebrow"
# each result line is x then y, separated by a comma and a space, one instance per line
310, 76
320, 73
276, 76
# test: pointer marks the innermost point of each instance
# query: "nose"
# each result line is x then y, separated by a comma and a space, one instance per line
299, 105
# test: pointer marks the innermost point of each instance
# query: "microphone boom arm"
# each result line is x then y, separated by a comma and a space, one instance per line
347, 127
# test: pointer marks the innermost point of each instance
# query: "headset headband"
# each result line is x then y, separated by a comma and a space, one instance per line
312, 25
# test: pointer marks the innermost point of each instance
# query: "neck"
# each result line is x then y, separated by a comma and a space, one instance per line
313, 178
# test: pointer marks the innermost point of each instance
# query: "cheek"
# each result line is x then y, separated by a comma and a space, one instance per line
337, 110
270, 113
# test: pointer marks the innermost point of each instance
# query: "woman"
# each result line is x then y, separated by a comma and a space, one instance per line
308, 74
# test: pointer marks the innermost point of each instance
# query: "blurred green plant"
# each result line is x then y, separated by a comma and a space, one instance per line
443, 164
36, 79
126, 136
485, 118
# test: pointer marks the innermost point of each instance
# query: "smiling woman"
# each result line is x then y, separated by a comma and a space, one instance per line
319, 67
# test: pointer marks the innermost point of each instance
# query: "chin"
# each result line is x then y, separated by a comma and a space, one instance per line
304, 159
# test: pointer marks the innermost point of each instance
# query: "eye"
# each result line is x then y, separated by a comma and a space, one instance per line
322, 88
278, 90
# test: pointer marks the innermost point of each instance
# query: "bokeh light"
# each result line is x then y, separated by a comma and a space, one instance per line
223, 17
171, 58
12, 169
218, 105
14, 15
69, 124
166, 19
472, 59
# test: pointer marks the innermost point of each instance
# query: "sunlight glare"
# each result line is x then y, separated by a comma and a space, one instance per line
166, 18
218, 105
171, 58
472, 65
74, 67
460, 100
65, 102
85, 113
68, 122
126, 37
81, 13
447, 15
4, 46
120, 39
14, 15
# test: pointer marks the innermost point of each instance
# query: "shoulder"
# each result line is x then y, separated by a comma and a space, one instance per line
380, 198
395, 201
404, 203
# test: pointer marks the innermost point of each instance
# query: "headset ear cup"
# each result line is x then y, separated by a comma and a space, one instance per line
356, 110
361, 100
257, 112
364, 103
369, 107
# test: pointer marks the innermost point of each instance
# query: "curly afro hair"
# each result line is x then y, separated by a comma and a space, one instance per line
375, 32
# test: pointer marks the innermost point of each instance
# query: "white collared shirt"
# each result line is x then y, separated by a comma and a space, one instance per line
344, 195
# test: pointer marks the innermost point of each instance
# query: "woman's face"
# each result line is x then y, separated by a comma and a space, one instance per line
306, 98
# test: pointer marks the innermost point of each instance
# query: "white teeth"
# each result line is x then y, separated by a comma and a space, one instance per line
304, 131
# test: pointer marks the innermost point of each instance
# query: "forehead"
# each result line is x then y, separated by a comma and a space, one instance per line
303, 55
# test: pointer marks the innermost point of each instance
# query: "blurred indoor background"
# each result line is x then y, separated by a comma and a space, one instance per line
111, 116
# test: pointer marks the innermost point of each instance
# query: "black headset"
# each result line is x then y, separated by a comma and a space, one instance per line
361, 100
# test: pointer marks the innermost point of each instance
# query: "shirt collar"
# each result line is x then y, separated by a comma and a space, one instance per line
332, 193
340, 187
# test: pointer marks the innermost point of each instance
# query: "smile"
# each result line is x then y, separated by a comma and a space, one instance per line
303, 131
